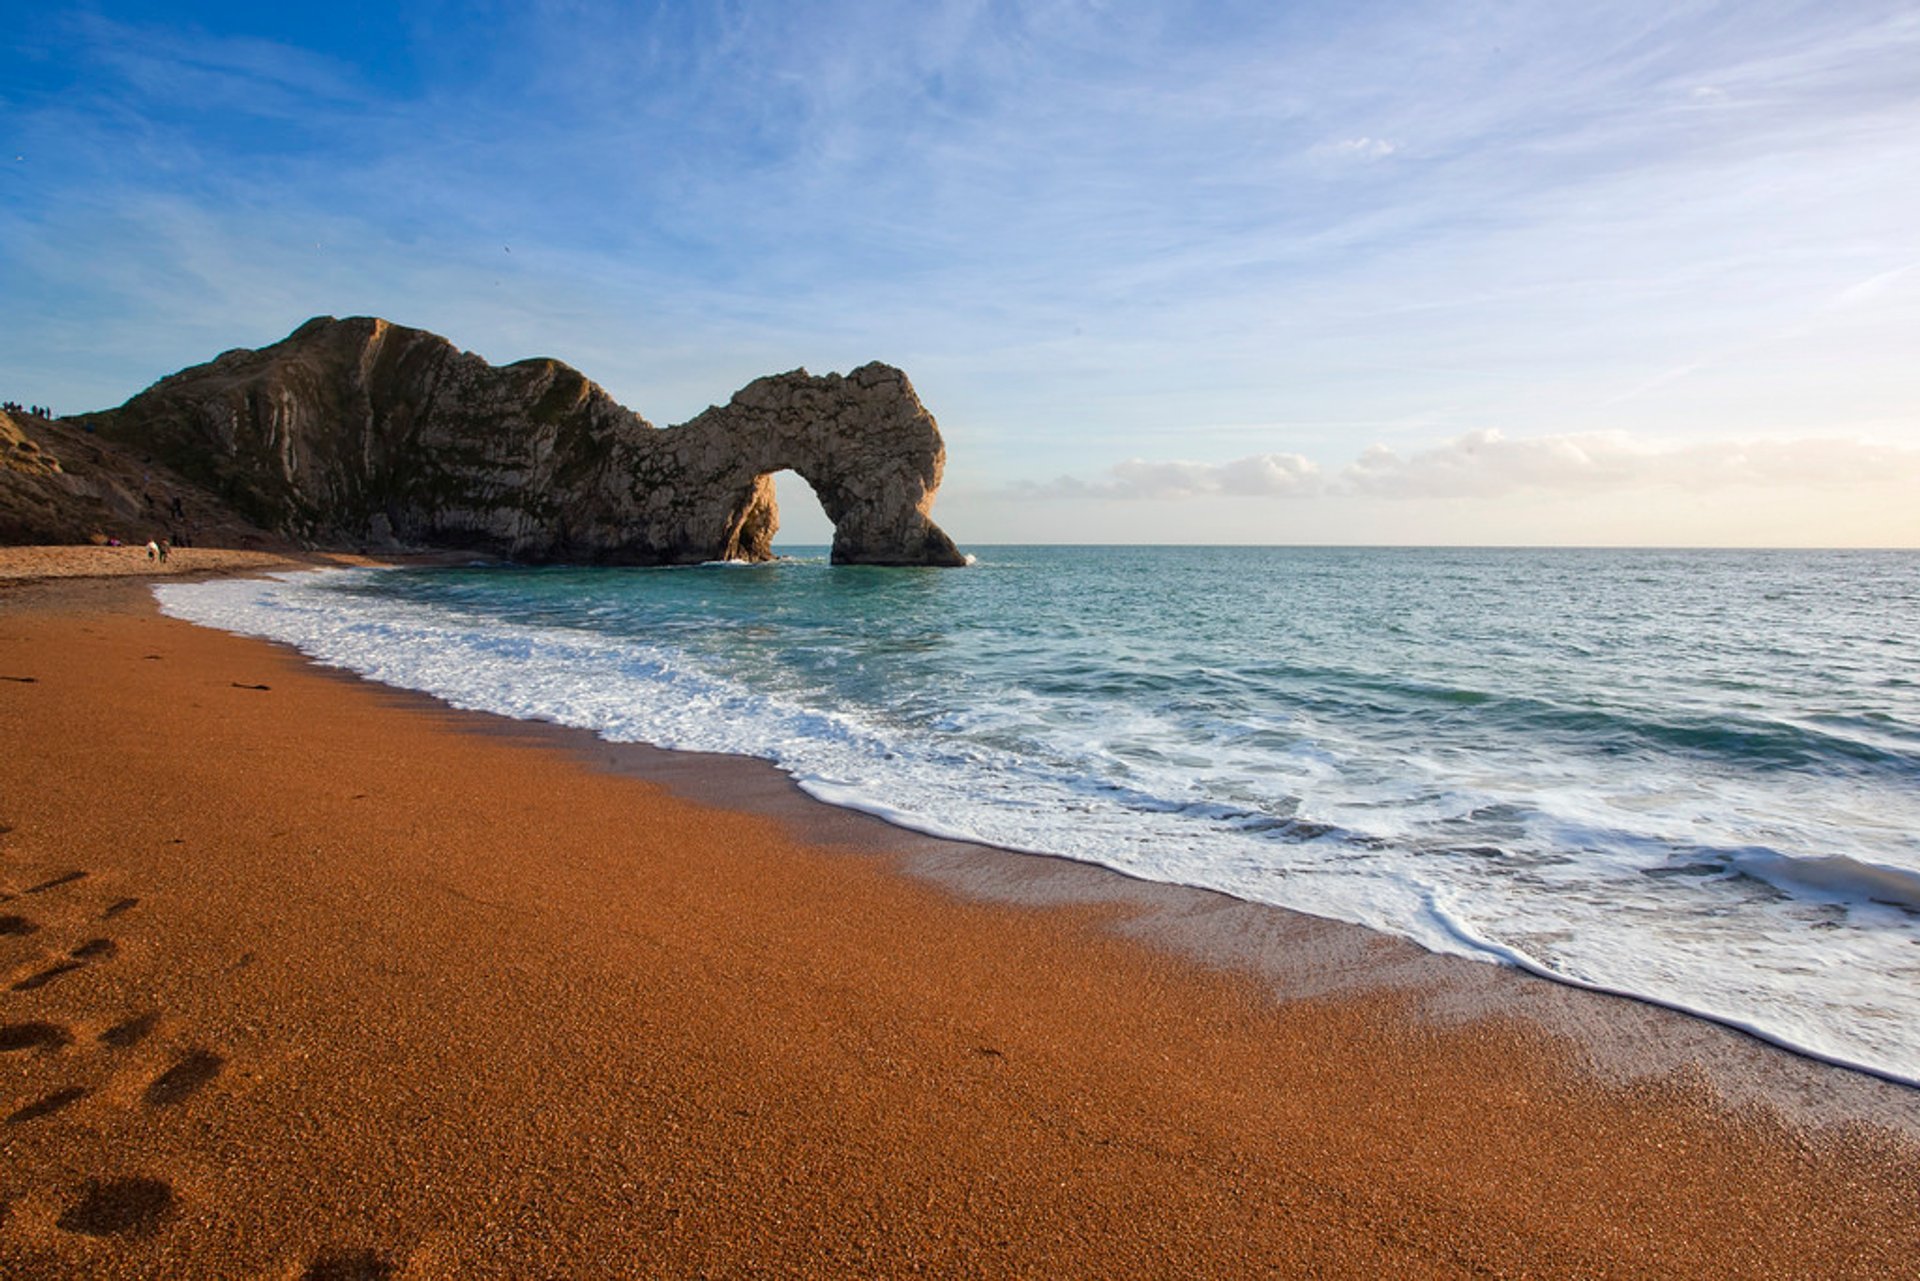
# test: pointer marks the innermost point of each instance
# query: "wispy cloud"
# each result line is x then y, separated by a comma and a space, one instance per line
209, 72
1084, 226
1256, 476
1487, 465
1366, 148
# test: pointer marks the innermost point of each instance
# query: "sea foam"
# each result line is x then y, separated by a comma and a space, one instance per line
1561, 762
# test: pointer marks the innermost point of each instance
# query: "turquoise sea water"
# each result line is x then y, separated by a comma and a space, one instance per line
1690, 776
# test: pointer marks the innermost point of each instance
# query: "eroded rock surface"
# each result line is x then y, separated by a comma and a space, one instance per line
20, 453
60, 483
360, 430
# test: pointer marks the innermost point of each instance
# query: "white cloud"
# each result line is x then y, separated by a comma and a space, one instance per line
1874, 286
1371, 148
1256, 476
1269, 474
1485, 463
1488, 465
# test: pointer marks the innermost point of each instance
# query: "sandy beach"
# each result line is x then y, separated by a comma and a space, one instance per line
303, 976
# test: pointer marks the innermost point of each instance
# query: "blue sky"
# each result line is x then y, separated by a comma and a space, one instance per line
1359, 272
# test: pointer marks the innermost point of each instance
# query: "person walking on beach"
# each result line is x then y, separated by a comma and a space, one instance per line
153, 549
163, 551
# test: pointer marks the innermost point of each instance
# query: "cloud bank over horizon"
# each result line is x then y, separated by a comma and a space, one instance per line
1488, 464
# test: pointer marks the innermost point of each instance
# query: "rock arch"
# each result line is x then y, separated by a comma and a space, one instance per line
359, 430
869, 449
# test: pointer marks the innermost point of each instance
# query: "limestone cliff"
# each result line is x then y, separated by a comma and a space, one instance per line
62, 484
20, 453
360, 430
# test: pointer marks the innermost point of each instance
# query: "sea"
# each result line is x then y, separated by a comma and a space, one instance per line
1692, 777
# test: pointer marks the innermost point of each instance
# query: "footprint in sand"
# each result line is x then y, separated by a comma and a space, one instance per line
118, 1208
33, 1036
66, 878
91, 950
48, 975
49, 1105
195, 1069
132, 1206
347, 1265
126, 1035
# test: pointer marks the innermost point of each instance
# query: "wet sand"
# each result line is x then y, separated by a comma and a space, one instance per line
300, 976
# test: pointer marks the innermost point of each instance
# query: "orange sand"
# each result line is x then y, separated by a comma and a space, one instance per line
358, 991
122, 562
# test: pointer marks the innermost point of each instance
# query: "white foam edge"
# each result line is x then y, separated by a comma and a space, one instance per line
1837, 878
1451, 927
1513, 956
848, 797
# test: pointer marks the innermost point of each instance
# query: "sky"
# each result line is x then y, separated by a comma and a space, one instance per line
1359, 272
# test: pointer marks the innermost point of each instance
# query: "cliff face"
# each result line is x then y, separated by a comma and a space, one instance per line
363, 431
20, 453
62, 484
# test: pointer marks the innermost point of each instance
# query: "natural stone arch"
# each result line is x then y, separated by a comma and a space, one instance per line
361, 430
864, 443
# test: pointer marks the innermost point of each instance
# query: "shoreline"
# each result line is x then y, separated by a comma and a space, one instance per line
1622, 1038
995, 1063
1621, 1048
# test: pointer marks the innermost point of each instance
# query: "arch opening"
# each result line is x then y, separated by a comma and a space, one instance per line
805, 527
